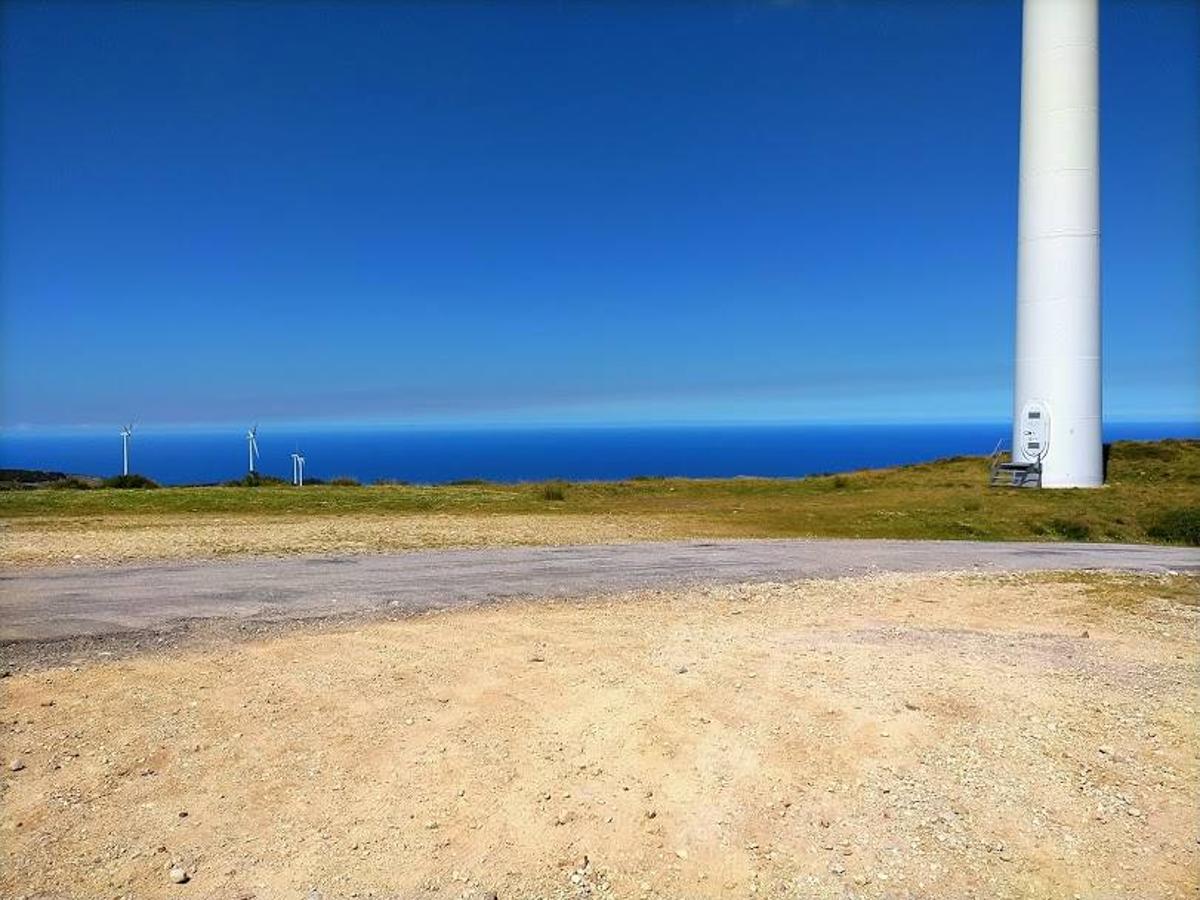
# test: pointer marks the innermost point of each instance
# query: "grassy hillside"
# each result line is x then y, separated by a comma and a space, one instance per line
1153, 494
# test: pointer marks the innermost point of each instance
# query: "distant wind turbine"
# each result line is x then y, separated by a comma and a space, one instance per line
126, 437
252, 446
298, 469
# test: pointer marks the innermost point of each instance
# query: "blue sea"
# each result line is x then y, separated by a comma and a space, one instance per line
430, 456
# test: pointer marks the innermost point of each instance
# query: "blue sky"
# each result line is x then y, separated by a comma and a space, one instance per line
564, 212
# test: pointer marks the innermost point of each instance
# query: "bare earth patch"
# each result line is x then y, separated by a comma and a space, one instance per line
892, 736
114, 539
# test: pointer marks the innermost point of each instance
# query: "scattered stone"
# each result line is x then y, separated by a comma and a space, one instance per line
682, 854
1105, 749
314, 894
908, 704
179, 875
681, 670
537, 657
837, 869
16, 765
651, 813
1085, 634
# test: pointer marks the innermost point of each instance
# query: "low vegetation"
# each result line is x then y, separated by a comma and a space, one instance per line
1177, 526
254, 479
1152, 495
123, 482
556, 491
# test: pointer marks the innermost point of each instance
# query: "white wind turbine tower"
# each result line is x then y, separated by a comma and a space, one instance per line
252, 446
1057, 408
298, 469
126, 436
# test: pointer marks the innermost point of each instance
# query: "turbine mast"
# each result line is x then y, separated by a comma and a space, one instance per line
1056, 396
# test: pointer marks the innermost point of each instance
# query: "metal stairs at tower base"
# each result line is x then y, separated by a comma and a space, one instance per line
1012, 474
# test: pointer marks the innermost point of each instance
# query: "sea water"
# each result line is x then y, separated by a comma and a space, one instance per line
428, 456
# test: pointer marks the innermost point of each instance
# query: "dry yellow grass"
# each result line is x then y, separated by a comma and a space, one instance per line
1152, 494
114, 539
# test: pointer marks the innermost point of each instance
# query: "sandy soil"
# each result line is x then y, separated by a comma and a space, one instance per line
895, 736
113, 539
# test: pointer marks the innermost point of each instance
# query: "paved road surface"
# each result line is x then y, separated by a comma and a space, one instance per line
68, 602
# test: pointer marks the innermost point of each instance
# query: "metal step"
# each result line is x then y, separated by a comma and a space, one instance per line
1013, 474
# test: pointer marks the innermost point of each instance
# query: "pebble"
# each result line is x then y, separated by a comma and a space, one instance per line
179, 875
16, 765
682, 854
681, 670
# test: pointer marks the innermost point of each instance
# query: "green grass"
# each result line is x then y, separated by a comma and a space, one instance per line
1152, 495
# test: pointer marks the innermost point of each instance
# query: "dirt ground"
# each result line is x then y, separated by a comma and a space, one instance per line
898, 736
115, 539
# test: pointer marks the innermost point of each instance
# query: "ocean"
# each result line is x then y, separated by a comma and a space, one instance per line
431, 456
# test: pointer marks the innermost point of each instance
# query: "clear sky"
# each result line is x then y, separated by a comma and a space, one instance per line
564, 212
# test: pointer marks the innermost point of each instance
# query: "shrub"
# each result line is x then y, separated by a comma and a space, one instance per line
1070, 529
345, 481
72, 483
464, 482
1177, 526
840, 482
254, 479
391, 482
31, 476
138, 482
556, 492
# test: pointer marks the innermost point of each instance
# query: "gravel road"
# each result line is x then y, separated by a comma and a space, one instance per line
88, 602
